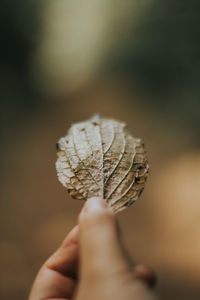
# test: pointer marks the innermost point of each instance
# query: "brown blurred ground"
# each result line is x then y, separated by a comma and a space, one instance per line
151, 86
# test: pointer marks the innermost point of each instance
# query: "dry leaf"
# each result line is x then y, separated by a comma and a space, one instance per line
99, 158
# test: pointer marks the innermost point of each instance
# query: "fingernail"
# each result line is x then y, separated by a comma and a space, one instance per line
94, 205
146, 274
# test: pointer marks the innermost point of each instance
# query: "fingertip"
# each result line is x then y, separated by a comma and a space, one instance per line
95, 216
94, 204
93, 207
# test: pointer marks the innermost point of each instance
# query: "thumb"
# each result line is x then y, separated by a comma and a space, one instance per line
100, 252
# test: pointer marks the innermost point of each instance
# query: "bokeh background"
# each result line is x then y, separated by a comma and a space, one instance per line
134, 60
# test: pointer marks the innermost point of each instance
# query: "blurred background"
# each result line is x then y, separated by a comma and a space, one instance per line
137, 61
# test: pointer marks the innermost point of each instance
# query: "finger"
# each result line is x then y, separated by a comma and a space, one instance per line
56, 279
65, 259
100, 252
145, 274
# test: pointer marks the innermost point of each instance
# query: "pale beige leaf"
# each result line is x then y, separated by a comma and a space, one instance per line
100, 158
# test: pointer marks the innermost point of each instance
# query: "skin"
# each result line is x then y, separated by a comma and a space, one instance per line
91, 263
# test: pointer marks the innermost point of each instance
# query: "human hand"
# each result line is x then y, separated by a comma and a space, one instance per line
91, 263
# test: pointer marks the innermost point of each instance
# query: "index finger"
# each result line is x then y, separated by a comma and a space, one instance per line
57, 277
